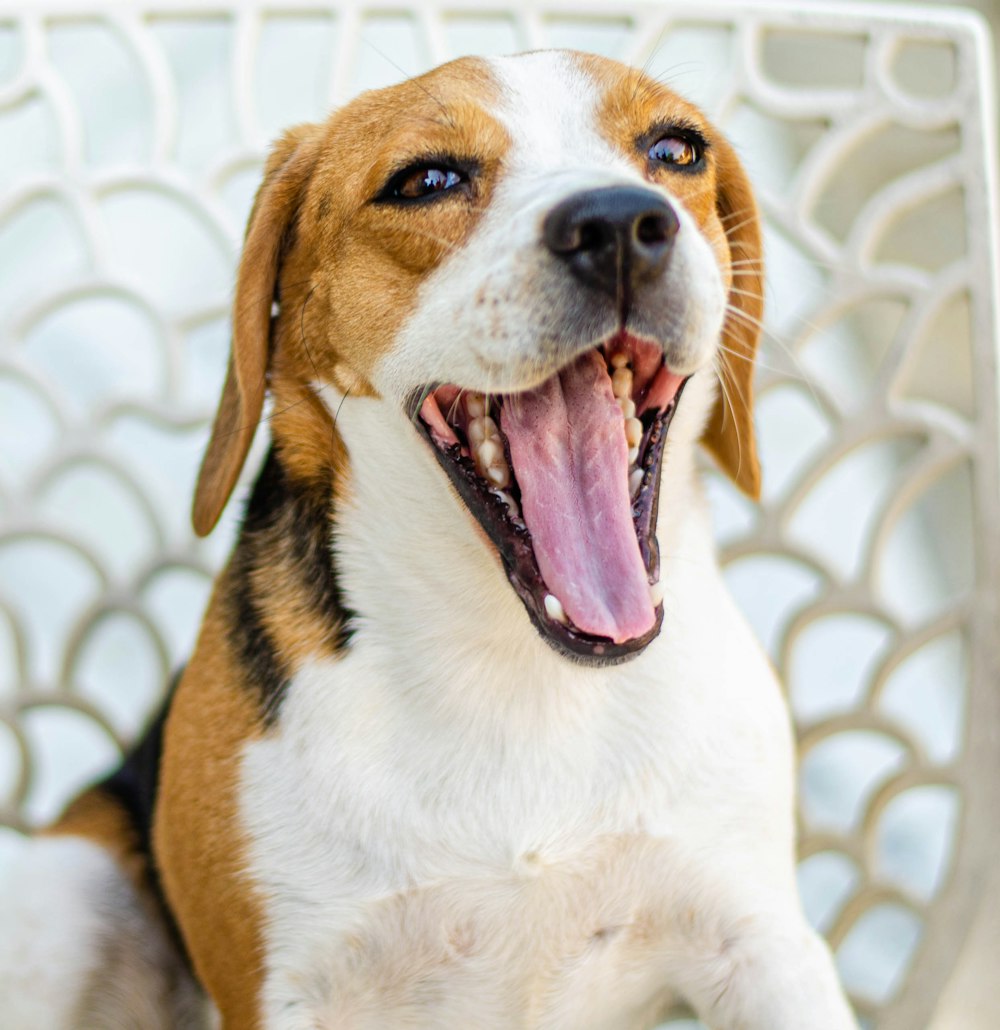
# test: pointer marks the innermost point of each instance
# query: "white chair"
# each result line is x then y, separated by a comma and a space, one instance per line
131, 139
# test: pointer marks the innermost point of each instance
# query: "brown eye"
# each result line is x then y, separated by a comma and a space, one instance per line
675, 150
424, 181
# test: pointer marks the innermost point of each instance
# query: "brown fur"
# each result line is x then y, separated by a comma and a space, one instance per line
198, 841
345, 271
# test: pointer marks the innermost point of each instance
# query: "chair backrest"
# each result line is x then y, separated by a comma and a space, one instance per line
131, 139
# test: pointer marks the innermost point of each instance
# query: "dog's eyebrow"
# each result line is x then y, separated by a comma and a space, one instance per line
441, 119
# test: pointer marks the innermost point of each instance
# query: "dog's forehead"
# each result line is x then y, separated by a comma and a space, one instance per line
550, 105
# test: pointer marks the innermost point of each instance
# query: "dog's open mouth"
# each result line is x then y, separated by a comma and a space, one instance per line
565, 481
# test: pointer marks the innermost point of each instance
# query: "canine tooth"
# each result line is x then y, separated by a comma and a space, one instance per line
475, 405
482, 428
635, 481
499, 474
621, 382
633, 431
656, 593
554, 609
633, 455
627, 405
619, 360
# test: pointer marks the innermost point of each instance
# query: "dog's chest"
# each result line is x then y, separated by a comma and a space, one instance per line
574, 941
421, 872
554, 939
438, 881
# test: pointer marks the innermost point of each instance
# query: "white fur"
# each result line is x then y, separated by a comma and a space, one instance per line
454, 826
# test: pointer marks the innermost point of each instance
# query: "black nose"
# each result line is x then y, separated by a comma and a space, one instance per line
613, 237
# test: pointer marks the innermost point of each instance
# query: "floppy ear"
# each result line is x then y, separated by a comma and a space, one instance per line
285, 175
730, 431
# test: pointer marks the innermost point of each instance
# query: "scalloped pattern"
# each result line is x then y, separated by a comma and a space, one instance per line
132, 140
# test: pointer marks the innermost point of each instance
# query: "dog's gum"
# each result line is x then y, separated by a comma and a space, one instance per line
512, 508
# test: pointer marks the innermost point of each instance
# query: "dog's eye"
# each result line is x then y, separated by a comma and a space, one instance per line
422, 182
676, 151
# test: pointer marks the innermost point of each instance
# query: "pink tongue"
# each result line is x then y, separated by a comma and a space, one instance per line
567, 446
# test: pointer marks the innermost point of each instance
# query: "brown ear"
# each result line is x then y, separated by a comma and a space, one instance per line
730, 432
285, 175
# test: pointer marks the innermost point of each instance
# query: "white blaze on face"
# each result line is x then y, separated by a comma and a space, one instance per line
549, 106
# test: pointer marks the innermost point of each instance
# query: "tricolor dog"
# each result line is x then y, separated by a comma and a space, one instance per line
473, 736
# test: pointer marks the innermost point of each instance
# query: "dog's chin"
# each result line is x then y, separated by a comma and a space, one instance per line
564, 480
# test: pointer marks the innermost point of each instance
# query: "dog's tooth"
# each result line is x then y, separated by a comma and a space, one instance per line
482, 428
619, 360
512, 507
656, 593
633, 431
621, 382
488, 452
499, 474
554, 609
633, 455
627, 405
475, 405
635, 481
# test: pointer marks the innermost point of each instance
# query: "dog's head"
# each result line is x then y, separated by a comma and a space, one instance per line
531, 257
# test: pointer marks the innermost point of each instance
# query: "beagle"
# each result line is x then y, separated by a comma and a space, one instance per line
473, 735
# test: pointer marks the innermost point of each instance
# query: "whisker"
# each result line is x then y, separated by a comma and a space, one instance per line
720, 370
402, 71
752, 360
739, 225
737, 214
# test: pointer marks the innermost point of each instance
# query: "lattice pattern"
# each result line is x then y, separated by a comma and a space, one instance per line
132, 138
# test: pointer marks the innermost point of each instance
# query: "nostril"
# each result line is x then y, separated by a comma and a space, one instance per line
594, 235
656, 227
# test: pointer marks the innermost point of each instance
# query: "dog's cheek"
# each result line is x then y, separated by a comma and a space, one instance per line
373, 279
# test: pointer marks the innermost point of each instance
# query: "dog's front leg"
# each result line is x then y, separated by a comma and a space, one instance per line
768, 971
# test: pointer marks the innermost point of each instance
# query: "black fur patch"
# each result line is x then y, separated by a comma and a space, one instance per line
134, 783
287, 528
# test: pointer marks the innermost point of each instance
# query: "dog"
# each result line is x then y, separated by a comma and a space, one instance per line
473, 735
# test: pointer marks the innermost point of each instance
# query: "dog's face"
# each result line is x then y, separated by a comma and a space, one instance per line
530, 257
